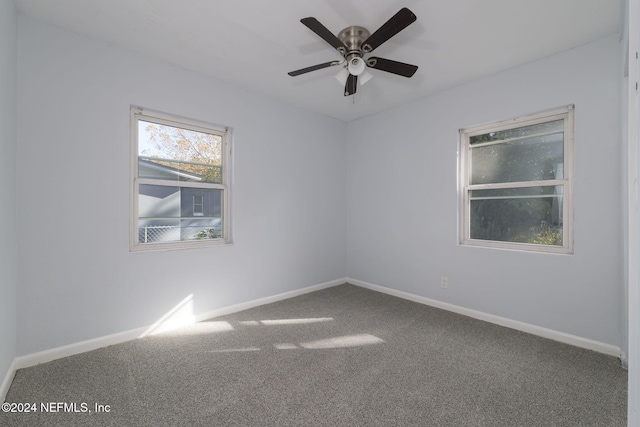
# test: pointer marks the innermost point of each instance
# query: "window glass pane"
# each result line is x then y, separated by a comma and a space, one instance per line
166, 214
173, 153
523, 215
528, 153
198, 205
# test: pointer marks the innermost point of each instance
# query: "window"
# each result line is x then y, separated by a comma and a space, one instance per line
180, 187
516, 183
198, 205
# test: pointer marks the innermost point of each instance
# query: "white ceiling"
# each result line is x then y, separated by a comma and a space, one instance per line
254, 43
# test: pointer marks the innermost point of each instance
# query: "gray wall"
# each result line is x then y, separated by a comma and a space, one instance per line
8, 253
78, 279
402, 197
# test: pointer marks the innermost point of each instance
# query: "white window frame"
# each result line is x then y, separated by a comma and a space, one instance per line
139, 113
565, 113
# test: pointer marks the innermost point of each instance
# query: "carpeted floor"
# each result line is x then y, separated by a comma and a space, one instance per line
343, 356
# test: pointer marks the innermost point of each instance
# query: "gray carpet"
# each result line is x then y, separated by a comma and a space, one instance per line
343, 356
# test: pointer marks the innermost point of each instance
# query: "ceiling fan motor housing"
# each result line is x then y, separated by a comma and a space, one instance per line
352, 37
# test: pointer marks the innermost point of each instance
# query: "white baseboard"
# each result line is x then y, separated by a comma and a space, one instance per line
76, 348
562, 337
267, 300
121, 337
6, 382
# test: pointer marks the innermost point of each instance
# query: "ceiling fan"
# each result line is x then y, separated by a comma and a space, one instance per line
353, 43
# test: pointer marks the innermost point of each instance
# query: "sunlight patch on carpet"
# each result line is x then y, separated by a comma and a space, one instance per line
343, 342
279, 322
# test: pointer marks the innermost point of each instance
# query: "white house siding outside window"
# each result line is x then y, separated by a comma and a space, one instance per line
180, 186
516, 183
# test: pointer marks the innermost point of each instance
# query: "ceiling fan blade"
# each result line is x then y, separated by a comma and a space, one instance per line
393, 26
313, 68
395, 67
314, 25
351, 86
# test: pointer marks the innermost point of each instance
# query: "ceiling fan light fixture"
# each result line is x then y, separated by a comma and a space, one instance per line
356, 66
364, 77
342, 76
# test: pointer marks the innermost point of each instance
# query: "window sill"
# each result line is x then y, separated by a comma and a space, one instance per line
182, 245
520, 247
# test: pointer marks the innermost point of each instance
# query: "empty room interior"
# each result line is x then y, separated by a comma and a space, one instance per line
437, 224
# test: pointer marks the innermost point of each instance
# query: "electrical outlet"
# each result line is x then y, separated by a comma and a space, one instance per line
444, 282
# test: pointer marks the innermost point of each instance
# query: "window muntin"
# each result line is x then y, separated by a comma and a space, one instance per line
516, 189
180, 188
